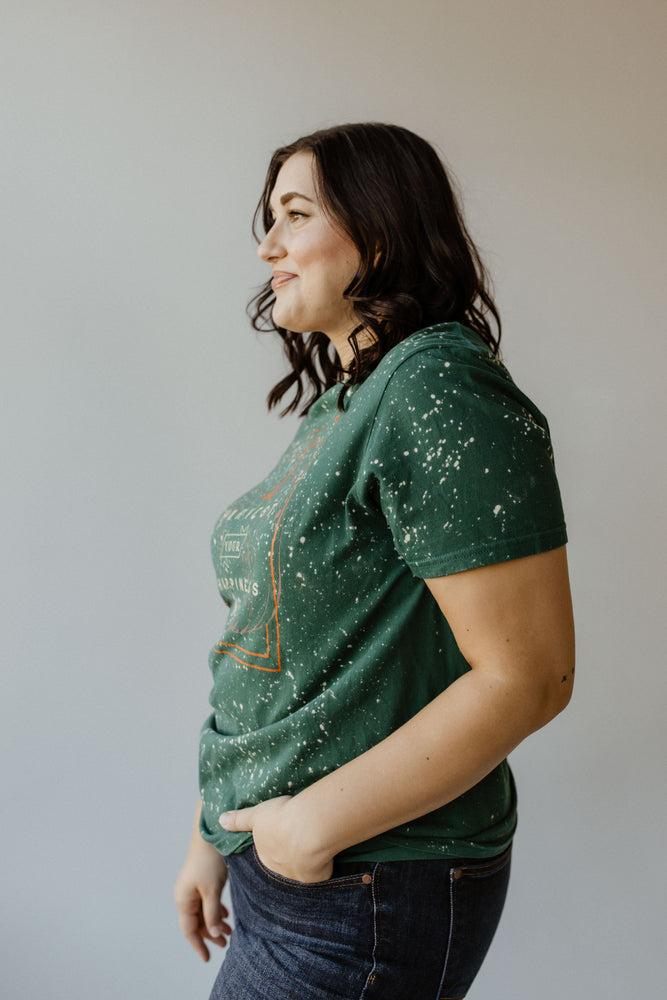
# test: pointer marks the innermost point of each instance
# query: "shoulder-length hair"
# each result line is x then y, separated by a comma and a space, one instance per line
386, 188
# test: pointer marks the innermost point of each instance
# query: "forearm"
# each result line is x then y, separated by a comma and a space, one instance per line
513, 624
438, 755
196, 837
197, 893
197, 842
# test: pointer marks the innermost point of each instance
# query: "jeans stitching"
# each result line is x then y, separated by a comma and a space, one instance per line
342, 882
446, 904
482, 871
377, 930
451, 934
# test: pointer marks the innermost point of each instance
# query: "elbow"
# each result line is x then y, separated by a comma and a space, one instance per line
557, 677
555, 696
559, 701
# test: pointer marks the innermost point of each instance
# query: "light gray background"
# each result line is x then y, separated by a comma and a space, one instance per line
135, 140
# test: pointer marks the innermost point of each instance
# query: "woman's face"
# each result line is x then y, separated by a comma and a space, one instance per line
313, 261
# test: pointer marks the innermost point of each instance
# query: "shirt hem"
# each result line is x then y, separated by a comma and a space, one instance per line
490, 553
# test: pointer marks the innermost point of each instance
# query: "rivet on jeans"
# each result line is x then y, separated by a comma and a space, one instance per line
457, 873
367, 879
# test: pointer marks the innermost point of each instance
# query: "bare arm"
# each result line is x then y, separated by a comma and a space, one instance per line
513, 623
197, 894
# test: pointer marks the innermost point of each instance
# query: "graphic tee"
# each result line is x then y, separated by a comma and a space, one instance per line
437, 464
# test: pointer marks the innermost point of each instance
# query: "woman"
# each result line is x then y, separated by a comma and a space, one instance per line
400, 612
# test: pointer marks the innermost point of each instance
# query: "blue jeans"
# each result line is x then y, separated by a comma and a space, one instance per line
391, 930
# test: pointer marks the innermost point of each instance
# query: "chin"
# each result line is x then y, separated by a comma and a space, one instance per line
287, 322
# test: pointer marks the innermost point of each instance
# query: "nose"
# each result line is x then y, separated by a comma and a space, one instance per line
270, 248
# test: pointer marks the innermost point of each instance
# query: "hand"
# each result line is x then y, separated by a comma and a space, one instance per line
281, 836
197, 894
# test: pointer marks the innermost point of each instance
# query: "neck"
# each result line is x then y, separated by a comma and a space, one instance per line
343, 347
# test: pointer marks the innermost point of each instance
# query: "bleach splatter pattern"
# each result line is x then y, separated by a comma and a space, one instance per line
438, 464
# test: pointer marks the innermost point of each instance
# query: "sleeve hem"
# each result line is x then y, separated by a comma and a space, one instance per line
501, 550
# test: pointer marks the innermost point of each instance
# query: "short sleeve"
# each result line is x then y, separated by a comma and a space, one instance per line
462, 464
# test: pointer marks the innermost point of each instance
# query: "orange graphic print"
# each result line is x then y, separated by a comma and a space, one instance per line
243, 536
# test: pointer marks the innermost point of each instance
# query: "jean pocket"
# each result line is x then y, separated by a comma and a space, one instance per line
321, 932
477, 892
483, 868
344, 876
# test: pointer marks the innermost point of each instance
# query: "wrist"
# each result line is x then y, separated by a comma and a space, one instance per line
312, 829
199, 845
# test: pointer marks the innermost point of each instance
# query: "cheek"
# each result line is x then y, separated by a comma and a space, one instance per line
341, 265
330, 253
327, 274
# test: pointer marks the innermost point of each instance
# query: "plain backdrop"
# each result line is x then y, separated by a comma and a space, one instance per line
135, 137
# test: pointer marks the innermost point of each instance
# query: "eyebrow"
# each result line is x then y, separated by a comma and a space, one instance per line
294, 194
284, 198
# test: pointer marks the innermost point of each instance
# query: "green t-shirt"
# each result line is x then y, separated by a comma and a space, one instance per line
438, 464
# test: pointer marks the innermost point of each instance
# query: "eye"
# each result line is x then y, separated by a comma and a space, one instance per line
294, 213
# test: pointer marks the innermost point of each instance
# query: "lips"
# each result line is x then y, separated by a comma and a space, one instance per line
281, 278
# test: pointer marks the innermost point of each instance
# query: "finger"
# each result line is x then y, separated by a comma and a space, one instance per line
214, 913
192, 931
219, 942
238, 819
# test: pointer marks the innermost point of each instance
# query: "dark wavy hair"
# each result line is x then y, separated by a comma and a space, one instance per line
386, 188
